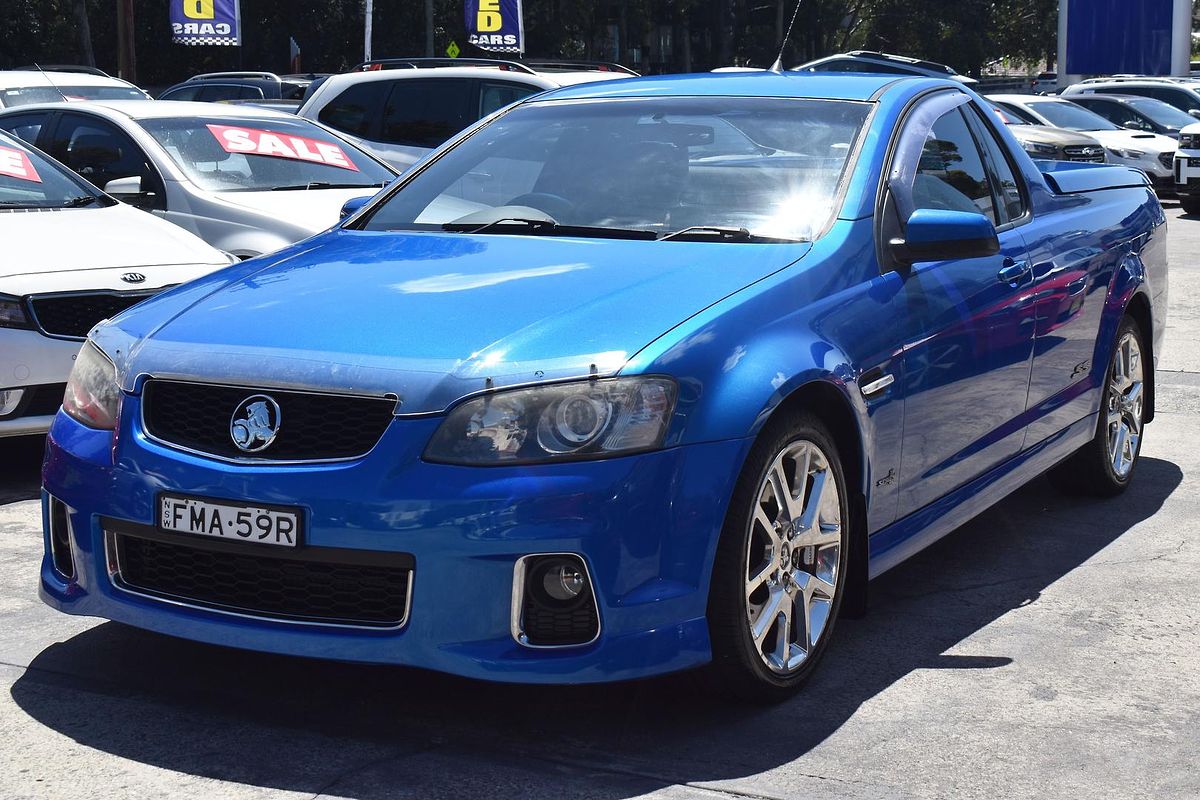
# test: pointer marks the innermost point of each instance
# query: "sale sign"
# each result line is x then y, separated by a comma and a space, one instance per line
256, 142
15, 164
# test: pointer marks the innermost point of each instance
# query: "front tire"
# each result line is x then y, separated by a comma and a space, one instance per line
1190, 203
1104, 466
781, 564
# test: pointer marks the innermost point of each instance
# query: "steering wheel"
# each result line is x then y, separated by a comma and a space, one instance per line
553, 204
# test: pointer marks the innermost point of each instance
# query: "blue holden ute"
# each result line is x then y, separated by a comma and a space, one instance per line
627, 378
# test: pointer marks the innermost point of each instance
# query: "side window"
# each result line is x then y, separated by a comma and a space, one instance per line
101, 153
494, 96
229, 91
1007, 187
1179, 98
356, 109
25, 126
426, 113
951, 175
182, 93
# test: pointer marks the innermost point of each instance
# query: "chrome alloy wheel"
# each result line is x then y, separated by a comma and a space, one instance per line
1125, 396
793, 554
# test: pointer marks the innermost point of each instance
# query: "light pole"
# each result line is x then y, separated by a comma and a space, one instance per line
368, 15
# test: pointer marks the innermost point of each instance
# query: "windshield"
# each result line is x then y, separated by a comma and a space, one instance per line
1065, 114
30, 180
1162, 113
254, 154
54, 94
766, 167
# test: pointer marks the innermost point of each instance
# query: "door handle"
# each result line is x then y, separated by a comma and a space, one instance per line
1013, 272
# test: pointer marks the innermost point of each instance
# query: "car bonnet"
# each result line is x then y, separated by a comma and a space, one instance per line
431, 317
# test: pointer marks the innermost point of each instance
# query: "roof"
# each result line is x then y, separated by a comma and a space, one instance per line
1025, 99
441, 73
818, 85
160, 109
16, 79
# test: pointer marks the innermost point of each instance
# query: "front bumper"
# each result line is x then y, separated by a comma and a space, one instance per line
30, 359
1187, 172
645, 525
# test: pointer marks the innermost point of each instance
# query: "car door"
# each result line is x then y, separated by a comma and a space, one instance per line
967, 322
101, 153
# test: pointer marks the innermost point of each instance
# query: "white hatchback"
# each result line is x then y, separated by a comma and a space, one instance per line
246, 180
72, 257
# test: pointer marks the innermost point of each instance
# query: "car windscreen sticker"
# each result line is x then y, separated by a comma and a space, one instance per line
15, 164
255, 142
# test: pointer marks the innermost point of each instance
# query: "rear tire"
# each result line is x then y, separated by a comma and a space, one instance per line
1104, 466
781, 564
1190, 203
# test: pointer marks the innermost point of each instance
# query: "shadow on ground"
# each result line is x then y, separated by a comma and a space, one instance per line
367, 731
20, 467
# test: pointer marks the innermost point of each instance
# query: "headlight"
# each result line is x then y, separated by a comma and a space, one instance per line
12, 313
600, 417
1121, 152
93, 395
1189, 141
1036, 149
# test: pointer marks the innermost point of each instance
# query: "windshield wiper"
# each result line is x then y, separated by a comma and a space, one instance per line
327, 185
82, 200
546, 227
722, 233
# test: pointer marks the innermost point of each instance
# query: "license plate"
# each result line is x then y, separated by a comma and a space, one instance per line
239, 522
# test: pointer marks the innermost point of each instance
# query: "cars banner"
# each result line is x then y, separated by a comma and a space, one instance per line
495, 25
206, 22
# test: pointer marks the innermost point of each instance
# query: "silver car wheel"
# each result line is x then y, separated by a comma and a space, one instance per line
793, 555
1125, 396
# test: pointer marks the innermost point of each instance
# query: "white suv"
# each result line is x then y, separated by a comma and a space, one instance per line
403, 108
23, 87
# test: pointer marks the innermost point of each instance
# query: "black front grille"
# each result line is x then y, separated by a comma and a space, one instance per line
311, 427
1167, 159
263, 584
39, 401
549, 627
74, 315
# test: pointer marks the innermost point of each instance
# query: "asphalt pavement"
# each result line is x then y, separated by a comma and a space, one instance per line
1048, 649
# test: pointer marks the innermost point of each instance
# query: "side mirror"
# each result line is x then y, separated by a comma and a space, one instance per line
129, 190
1133, 125
124, 186
936, 235
1195, 112
352, 205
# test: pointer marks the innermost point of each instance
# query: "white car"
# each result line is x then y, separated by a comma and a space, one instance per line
1187, 168
404, 108
21, 87
1152, 153
72, 257
246, 180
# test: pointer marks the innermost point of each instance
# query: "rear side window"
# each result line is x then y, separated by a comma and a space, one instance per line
356, 110
1176, 97
182, 93
25, 126
427, 113
213, 94
495, 96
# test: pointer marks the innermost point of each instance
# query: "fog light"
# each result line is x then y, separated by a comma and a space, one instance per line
554, 603
9, 400
563, 582
60, 540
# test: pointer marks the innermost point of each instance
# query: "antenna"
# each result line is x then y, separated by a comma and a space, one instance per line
778, 65
52, 84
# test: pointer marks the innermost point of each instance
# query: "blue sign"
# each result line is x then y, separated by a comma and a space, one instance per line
1109, 37
206, 22
495, 25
